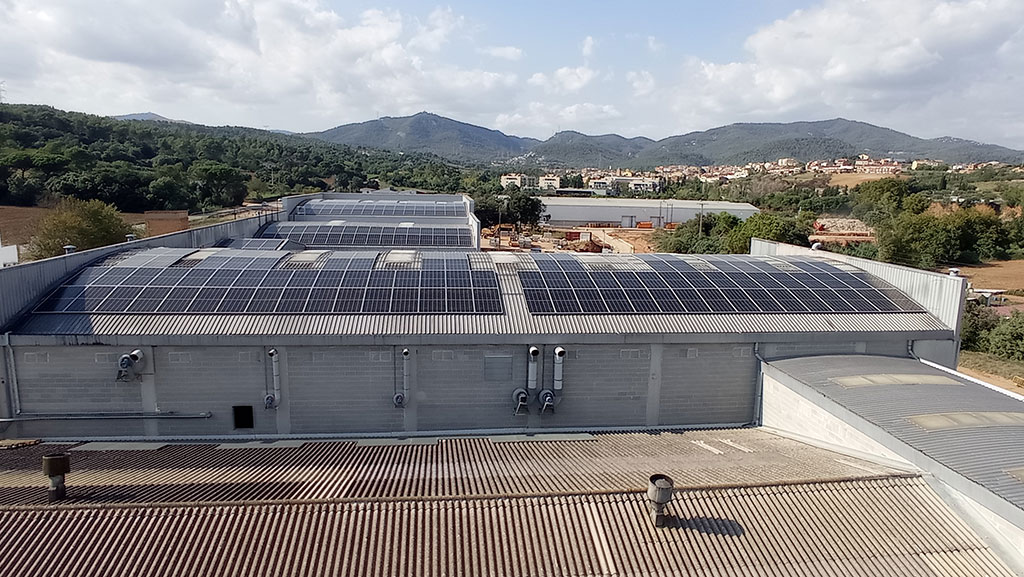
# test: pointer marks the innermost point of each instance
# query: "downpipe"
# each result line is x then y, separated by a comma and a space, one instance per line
13, 394
759, 392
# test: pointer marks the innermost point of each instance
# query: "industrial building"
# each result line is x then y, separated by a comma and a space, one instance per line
498, 412
627, 212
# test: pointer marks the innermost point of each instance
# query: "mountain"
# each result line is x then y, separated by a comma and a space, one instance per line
149, 116
430, 133
732, 144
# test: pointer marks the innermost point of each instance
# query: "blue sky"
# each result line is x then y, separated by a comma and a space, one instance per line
927, 67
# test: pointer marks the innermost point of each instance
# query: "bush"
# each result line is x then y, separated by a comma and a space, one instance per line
978, 322
83, 223
1006, 340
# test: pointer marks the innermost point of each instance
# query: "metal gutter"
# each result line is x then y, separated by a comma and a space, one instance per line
102, 416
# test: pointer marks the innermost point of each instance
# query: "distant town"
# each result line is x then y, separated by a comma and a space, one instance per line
622, 181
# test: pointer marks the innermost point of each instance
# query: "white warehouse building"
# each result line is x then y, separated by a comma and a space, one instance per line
627, 212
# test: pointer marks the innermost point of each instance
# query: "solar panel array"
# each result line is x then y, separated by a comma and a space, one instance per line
380, 208
676, 284
347, 283
256, 243
338, 235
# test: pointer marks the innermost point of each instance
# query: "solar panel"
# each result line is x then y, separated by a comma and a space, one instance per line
382, 208
355, 283
344, 235
680, 284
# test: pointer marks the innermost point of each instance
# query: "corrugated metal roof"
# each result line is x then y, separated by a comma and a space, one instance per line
426, 468
516, 320
983, 454
707, 205
879, 527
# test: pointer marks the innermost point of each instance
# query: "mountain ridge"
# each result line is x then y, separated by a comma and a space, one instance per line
736, 143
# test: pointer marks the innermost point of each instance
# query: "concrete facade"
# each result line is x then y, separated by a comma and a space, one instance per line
192, 391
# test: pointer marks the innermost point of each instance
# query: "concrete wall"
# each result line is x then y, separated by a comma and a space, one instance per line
339, 389
786, 410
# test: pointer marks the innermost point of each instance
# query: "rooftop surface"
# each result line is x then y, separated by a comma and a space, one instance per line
969, 428
259, 292
747, 503
430, 467
599, 201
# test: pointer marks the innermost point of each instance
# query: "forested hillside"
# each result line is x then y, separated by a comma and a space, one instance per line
47, 154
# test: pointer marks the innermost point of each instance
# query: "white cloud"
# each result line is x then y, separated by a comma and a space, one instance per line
295, 64
642, 82
654, 45
923, 66
510, 53
568, 79
538, 79
588, 47
546, 118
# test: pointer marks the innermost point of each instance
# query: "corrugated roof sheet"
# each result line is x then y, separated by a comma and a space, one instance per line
879, 527
517, 319
426, 468
983, 454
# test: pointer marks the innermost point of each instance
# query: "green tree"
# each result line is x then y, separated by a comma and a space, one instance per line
524, 209
217, 185
83, 223
1006, 340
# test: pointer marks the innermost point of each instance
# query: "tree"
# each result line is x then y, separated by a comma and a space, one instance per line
1006, 340
83, 223
524, 209
217, 185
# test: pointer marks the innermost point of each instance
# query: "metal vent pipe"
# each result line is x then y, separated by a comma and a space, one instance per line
70, 248
275, 362
531, 370
55, 466
559, 357
659, 494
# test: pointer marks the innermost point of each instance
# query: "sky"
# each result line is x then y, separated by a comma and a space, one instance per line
926, 67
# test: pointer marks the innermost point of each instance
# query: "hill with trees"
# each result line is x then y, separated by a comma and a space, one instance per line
48, 154
732, 144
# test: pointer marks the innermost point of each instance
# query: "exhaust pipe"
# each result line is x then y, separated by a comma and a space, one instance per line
659, 494
55, 466
559, 357
531, 370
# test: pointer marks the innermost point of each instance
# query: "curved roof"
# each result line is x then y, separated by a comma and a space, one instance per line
404, 292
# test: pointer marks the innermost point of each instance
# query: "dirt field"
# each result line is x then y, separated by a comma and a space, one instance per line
640, 239
992, 369
1006, 275
18, 223
854, 178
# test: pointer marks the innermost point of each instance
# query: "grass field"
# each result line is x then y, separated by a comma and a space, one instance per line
992, 369
1006, 275
989, 185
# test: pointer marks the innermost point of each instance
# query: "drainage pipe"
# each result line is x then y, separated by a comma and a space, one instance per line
12, 376
275, 361
759, 393
559, 357
531, 369
103, 416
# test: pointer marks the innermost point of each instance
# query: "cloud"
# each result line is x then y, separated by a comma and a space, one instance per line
653, 45
545, 118
923, 66
568, 79
292, 63
510, 53
642, 82
588, 47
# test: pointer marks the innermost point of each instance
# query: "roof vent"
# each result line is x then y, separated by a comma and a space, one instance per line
70, 248
659, 494
55, 466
